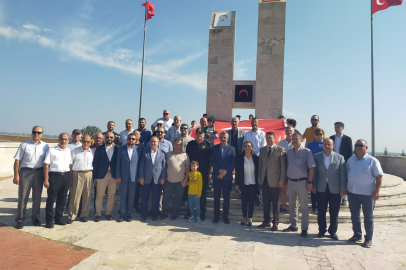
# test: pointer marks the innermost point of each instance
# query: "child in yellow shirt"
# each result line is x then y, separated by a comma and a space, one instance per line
195, 191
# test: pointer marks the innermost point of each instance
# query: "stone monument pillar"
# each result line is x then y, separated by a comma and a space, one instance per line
270, 59
221, 65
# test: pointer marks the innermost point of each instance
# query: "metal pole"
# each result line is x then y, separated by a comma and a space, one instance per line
143, 59
372, 87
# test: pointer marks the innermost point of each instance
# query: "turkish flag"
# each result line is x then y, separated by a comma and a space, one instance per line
150, 9
276, 126
378, 5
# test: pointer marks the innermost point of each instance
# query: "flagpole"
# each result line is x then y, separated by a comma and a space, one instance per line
372, 86
143, 60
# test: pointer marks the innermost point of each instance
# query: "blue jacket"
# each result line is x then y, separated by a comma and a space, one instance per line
152, 172
101, 162
227, 163
145, 136
127, 168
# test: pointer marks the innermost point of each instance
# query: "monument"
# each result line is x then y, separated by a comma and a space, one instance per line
265, 94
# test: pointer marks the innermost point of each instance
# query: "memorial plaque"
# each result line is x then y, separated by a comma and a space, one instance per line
222, 19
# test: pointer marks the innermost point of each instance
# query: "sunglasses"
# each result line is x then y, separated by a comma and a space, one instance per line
158, 132
359, 145
110, 137
165, 113
131, 139
319, 134
184, 128
37, 132
315, 120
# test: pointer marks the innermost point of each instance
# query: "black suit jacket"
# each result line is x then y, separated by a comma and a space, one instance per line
239, 169
345, 147
101, 162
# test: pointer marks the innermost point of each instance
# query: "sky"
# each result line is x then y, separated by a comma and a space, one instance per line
70, 64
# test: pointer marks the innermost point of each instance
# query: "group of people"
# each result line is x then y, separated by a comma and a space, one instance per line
166, 162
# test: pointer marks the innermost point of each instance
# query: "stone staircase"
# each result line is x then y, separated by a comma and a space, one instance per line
390, 206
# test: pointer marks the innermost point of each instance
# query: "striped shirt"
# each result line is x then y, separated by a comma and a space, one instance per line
362, 174
172, 133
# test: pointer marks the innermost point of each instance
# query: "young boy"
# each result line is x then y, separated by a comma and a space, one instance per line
195, 191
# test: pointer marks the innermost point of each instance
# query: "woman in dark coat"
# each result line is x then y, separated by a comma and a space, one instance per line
246, 180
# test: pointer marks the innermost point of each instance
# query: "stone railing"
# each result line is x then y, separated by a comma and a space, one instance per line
393, 165
7, 152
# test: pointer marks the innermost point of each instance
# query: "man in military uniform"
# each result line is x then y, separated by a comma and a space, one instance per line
200, 150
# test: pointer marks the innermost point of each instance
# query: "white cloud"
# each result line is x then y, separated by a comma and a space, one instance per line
240, 69
83, 45
31, 27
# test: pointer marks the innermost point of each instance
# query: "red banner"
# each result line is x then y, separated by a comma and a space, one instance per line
378, 5
276, 126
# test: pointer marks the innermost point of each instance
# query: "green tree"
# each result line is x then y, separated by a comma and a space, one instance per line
90, 130
403, 153
385, 151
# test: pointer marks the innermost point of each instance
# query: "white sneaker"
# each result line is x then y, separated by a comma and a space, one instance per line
191, 219
198, 220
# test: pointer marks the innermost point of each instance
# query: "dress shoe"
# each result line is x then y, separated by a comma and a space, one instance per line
173, 217
304, 233
49, 225
367, 243
120, 219
354, 239
128, 219
274, 228
320, 235
226, 220
216, 219
69, 221
19, 225
154, 218
334, 236
315, 211
242, 223
83, 219
162, 217
60, 222
264, 224
249, 223
290, 229
202, 217
344, 202
109, 217
97, 219
143, 220
36, 222
283, 211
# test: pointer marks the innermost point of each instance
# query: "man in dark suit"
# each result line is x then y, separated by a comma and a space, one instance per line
329, 183
128, 158
342, 146
236, 136
222, 161
104, 175
152, 175
272, 177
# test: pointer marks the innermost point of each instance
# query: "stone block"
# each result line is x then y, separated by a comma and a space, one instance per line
278, 50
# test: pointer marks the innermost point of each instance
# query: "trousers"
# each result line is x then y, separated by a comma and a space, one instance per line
224, 186
248, 193
58, 190
332, 201
170, 188
298, 191
81, 189
111, 184
194, 203
355, 202
270, 197
29, 180
155, 189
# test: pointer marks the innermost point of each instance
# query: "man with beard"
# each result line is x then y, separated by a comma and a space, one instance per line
110, 128
145, 133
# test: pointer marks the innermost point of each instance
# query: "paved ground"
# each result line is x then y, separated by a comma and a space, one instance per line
182, 245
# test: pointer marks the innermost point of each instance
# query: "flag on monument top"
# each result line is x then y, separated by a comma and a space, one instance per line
276, 126
150, 9
378, 5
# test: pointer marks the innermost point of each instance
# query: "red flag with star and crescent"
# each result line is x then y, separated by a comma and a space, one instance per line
378, 5
150, 9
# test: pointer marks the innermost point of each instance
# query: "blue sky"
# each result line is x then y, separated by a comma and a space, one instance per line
69, 64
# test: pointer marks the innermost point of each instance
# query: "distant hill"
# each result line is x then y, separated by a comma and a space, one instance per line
4, 137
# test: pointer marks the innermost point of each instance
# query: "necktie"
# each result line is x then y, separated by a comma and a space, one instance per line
269, 151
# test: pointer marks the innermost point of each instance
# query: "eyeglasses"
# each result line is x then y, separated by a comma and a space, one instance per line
159, 132
165, 113
110, 137
319, 134
315, 119
131, 139
359, 145
184, 128
37, 132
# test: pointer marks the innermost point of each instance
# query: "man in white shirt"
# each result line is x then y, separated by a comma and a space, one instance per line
287, 144
167, 121
81, 179
128, 129
56, 174
29, 173
256, 136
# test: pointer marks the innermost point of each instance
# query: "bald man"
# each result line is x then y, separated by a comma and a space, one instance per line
81, 179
